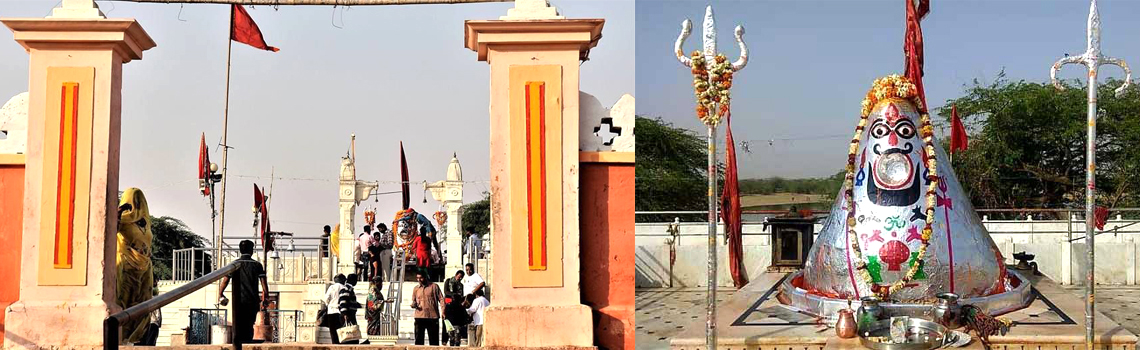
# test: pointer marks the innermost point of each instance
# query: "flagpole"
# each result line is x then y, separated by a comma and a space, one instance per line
225, 143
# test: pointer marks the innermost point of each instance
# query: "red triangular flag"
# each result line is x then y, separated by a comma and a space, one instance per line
405, 187
244, 30
912, 45
204, 166
958, 138
730, 211
262, 211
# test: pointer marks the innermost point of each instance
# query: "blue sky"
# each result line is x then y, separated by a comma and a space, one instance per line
813, 61
388, 73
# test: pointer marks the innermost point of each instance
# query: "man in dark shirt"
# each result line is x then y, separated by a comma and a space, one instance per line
250, 272
325, 241
453, 296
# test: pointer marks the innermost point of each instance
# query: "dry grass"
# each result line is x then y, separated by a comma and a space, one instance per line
756, 200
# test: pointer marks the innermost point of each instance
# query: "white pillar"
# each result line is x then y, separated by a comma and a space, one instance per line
347, 241
1066, 262
450, 193
1130, 257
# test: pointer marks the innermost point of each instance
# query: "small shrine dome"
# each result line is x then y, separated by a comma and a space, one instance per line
454, 171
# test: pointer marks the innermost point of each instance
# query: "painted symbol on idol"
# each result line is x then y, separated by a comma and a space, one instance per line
405, 232
894, 160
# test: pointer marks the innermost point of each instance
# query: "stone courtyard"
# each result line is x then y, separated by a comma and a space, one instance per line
663, 312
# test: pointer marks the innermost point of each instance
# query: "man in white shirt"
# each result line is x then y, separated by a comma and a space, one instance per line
475, 330
360, 252
472, 282
332, 319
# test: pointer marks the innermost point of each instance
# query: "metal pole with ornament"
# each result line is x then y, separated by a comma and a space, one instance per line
1091, 59
712, 79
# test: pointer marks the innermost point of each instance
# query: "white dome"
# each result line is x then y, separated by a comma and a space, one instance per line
454, 171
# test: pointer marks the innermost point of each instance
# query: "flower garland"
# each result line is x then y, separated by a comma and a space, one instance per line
405, 215
711, 86
440, 218
884, 90
370, 217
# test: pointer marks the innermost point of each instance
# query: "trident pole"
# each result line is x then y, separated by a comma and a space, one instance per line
225, 143
710, 54
710, 321
1091, 59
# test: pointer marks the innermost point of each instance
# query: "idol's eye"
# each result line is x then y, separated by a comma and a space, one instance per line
880, 131
905, 130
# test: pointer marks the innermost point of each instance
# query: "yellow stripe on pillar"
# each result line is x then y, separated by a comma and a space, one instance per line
65, 205
536, 173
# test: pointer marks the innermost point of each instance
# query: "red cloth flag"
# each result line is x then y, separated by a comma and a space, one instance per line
203, 167
1100, 216
958, 139
244, 30
405, 187
259, 201
730, 211
912, 45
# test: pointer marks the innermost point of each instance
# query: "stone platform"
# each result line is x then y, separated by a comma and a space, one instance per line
752, 318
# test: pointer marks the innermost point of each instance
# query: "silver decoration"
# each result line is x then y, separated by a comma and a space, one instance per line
828, 308
710, 55
890, 233
1091, 59
709, 42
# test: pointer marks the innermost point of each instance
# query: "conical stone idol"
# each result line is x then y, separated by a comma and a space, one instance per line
901, 228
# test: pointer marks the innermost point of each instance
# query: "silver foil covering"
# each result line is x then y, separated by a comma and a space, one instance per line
828, 308
890, 205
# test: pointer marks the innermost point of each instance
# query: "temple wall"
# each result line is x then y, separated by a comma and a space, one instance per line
607, 239
1115, 256
11, 221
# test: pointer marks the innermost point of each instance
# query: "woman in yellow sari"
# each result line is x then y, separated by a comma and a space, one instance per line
136, 274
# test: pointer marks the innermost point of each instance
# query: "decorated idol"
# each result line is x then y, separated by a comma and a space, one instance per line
415, 233
902, 228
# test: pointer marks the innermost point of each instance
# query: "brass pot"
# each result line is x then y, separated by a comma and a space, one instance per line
869, 312
846, 328
947, 311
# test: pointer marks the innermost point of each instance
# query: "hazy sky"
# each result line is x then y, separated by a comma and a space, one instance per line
386, 73
813, 61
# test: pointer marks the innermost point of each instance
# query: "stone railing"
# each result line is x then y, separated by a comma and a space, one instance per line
1058, 245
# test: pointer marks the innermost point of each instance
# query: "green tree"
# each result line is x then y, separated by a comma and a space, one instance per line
671, 169
1027, 149
171, 234
477, 216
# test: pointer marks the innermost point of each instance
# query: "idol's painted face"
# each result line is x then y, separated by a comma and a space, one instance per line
893, 155
404, 231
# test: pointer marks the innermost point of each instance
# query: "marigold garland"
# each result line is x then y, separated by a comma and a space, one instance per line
883, 90
711, 86
404, 215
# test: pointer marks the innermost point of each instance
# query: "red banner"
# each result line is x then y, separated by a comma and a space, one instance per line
405, 187
730, 211
912, 45
958, 138
204, 166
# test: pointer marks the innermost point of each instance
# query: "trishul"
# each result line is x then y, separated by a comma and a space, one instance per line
710, 123
710, 42
1092, 59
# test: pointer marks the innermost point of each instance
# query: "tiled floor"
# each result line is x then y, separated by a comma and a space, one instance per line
1120, 303
661, 313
